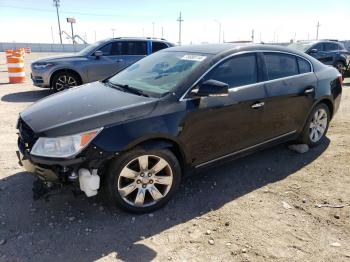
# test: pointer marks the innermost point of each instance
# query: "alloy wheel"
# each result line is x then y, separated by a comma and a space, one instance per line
318, 125
64, 82
145, 180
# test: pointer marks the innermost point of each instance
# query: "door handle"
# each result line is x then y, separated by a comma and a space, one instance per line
309, 90
258, 105
119, 60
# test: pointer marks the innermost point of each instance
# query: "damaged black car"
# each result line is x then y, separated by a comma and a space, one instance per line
134, 135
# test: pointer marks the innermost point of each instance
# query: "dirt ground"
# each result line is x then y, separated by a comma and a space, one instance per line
258, 208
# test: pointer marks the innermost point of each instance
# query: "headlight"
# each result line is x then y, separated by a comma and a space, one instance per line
65, 146
42, 65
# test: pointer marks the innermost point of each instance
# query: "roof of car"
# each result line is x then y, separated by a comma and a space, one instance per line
139, 39
215, 49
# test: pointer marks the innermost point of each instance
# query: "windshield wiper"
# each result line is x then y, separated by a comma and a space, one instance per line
127, 88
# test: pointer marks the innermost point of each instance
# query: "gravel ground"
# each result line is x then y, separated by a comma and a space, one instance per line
258, 208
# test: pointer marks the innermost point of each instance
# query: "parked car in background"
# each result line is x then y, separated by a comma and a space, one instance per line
329, 52
96, 62
179, 109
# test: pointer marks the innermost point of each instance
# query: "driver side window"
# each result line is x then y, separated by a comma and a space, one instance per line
236, 71
106, 50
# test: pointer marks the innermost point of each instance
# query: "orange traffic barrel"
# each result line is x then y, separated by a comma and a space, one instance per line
15, 68
21, 50
27, 50
9, 52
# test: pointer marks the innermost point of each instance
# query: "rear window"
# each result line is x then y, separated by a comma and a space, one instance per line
156, 46
304, 66
130, 48
280, 65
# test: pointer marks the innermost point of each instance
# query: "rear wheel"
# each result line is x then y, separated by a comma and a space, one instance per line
142, 181
65, 80
316, 126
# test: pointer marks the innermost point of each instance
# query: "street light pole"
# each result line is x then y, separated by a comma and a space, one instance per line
72, 21
57, 4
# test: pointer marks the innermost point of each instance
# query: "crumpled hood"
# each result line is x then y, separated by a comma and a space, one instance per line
85, 108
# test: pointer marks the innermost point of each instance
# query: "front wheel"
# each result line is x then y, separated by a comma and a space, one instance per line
64, 80
142, 181
316, 126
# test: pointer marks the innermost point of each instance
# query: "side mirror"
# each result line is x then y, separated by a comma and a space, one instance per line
98, 54
313, 51
212, 88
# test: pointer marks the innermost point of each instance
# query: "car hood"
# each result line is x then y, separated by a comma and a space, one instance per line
85, 108
58, 58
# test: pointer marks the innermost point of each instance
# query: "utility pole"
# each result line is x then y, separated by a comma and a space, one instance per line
162, 32
56, 3
318, 27
113, 30
53, 41
180, 20
252, 35
152, 29
220, 25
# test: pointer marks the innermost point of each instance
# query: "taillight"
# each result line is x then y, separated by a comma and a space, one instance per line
341, 80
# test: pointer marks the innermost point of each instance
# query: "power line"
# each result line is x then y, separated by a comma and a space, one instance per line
69, 12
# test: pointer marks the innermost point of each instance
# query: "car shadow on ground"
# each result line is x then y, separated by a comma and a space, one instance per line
26, 96
68, 228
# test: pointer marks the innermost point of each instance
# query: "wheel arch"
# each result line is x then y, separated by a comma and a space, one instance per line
328, 103
58, 71
162, 143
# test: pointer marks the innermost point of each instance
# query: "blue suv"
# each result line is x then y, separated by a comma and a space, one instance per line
329, 52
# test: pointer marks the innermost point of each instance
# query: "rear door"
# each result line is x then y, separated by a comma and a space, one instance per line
132, 51
290, 88
217, 126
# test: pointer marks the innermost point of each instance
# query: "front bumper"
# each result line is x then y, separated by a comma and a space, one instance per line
40, 78
44, 173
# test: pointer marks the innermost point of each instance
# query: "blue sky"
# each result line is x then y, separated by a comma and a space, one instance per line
31, 20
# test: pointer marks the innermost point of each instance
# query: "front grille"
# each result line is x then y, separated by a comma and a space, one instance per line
26, 135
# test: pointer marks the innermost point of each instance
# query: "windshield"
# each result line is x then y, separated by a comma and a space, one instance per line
160, 72
303, 47
89, 48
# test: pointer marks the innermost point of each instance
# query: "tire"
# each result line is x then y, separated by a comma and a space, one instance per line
65, 80
308, 135
130, 187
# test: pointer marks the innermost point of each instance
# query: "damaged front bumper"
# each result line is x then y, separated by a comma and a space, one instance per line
81, 172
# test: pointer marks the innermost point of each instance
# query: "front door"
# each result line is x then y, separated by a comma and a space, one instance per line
116, 56
217, 126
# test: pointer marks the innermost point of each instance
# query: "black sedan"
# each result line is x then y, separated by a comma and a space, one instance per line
135, 134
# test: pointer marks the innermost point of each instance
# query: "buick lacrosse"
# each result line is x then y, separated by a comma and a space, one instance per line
133, 135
